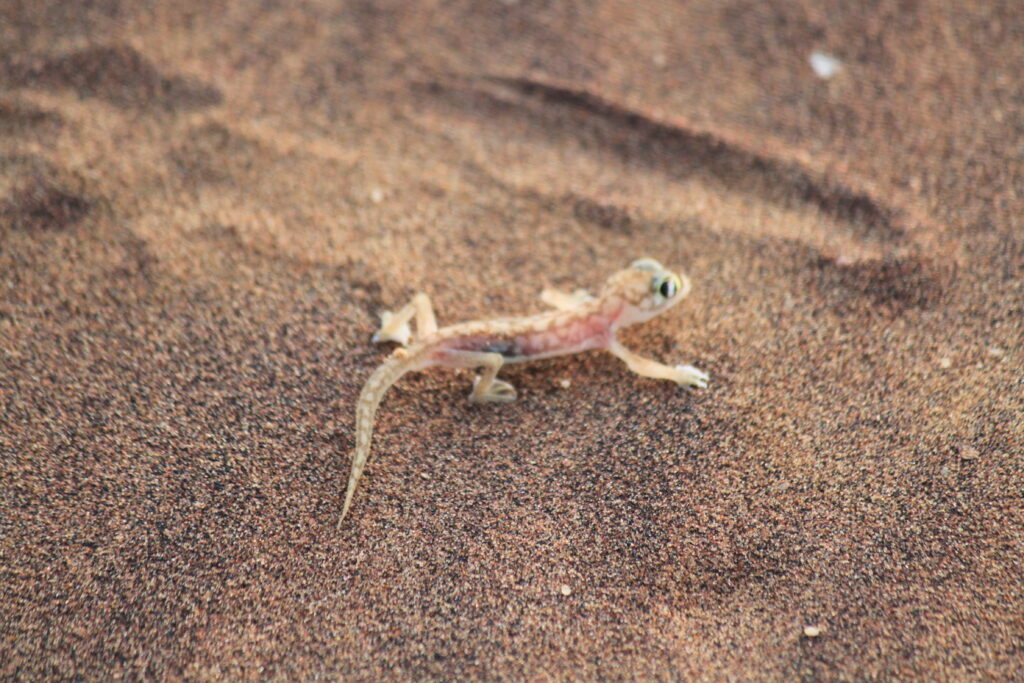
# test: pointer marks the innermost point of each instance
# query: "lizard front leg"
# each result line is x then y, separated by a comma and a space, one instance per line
395, 326
686, 375
564, 301
487, 388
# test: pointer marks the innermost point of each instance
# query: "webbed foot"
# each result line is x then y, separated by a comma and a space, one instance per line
689, 376
390, 331
499, 391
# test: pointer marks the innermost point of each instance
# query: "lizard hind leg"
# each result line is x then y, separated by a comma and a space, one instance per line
487, 388
395, 326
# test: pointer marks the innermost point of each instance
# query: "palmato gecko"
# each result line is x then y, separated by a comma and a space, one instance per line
579, 323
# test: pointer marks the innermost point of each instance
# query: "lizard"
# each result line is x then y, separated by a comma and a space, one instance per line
578, 322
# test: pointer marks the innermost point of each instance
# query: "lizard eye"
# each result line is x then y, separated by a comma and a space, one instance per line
668, 288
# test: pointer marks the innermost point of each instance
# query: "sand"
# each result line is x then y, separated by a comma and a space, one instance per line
204, 205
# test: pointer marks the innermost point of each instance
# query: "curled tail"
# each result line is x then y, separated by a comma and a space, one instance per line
373, 391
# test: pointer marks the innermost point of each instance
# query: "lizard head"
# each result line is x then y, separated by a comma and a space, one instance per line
646, 289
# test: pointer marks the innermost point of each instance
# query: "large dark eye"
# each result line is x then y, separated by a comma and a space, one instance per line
668, 288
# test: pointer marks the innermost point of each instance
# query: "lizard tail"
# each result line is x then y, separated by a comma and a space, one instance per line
373, 391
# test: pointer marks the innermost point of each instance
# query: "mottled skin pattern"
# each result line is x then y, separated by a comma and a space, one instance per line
579, 323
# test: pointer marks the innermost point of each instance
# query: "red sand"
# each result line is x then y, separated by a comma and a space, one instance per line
202, 208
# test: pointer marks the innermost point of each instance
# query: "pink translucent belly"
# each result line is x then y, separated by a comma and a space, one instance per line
575, 335
518, 341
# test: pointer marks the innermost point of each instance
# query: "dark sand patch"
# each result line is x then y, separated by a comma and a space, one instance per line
115, 73
20, 119
39, 197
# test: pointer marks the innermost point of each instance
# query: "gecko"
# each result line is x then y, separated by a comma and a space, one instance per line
579, 322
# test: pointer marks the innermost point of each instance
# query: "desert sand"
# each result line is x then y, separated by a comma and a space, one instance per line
203, 206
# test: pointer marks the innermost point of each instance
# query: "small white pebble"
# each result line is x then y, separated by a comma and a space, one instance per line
564, 383
376, 195
945, 363
659, 59
996, 352
565, 590
969, 452
812, 631
824, 65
